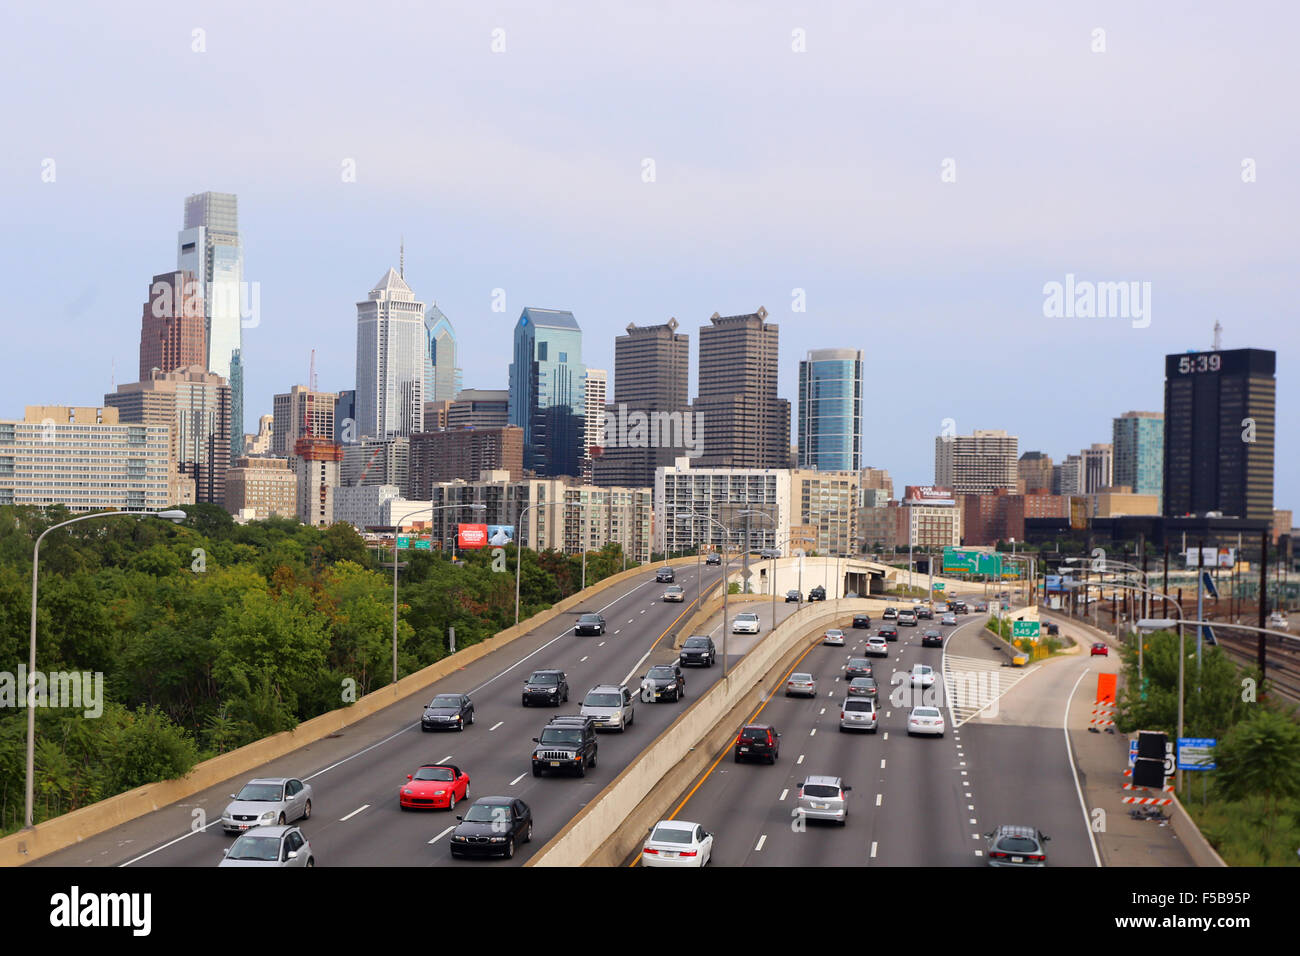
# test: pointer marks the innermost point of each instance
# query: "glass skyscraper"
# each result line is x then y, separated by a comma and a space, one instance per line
547, 391
391, 361
442, 379
1138, 439
830, 410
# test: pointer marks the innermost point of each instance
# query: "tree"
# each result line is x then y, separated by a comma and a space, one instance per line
1260, 756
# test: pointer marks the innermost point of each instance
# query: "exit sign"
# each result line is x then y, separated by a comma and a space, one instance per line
938, 586
1024, 629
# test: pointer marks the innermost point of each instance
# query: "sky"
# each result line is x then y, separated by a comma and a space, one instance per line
904, 178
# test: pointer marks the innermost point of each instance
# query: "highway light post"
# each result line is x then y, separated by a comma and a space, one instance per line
176, 516
519, 534
726, 568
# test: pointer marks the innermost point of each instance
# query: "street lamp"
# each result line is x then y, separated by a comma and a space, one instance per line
476, 506
519, 547
176, 516
726, 567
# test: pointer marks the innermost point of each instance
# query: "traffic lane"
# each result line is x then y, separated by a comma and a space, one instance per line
738, 645
166, 832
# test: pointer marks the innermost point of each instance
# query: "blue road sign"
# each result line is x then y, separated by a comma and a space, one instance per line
1197, 753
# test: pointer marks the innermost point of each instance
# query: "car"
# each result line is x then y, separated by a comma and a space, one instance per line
862, 620
863, 687
768, 553
266, 801
269, 846
932, 638
876, 646
959, 607
925, 720
948, 620
566, 743
792, 597
922, 675
698, 649
981, 605
1100, 650
713, 560
1016, 846
889, 633
546, 687
941, 608
924, 613
746, 622
801, 683
823, 798
858, 713
757, 740
916, 600
907, 619
663, 682
674, 594
590, 624
433, 786
891, 614
817, 594
677, 843
665, 576
1053, 629
492, 826
610, 706
857, 667
833, 637
448, 711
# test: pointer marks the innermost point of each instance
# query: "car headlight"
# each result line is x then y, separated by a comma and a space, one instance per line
407, 793
439, 793
268, 815
498, 839
553, 690
459, 839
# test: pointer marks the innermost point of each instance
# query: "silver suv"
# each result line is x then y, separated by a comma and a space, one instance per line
824, 798
611, 706
858, 713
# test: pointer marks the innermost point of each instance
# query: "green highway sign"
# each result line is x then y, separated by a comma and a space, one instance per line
423, 544
938, 585
403, 540
1024, 629
954, 560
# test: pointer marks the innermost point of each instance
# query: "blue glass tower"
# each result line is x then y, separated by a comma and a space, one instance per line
546, 391
830, 410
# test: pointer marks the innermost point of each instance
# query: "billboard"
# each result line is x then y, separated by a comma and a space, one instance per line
500, 535
471, 536
1211, 557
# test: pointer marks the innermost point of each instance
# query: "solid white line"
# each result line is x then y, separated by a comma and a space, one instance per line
496, 725
873, 849
1069, 755
364, 806
517, 779
442, 834
784, 792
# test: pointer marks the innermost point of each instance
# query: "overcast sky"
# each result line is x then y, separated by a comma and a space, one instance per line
774, 170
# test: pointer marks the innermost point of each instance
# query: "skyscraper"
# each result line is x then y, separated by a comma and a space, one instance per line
391, 361
442, 374
1139, 442
1098, 467
976, 464
830, 410
594, 384
173, 327
299, 412
1035, 470
546, 391
745, 424
1220, 426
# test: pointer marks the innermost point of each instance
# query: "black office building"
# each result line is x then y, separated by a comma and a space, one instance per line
1220, 420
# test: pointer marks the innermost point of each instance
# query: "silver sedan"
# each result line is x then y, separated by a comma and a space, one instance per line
270, 846
266, 801
801, 683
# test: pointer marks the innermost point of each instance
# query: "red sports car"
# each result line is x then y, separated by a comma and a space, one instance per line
434, 786
1100, 650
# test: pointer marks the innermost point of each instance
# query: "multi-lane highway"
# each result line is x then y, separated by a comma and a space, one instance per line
355, 775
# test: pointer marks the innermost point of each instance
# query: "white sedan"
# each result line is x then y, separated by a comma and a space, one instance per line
922, 676
745, 623
677, 843
834, 637
876, 647
925, 720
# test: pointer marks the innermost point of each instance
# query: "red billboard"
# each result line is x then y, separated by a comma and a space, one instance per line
470, 536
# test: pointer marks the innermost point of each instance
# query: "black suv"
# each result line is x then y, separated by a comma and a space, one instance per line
546, 687
699, 650
817, 594
590, 624
758, 740
793, 596
713, 560
566, 743
665, 576
862, 620
959, 607
663, 682
891, 614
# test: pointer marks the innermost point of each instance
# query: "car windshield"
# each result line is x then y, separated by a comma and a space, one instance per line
261, 793
836, 632
487, 813
876, 640
445, 700
603, 700
925, 712
859, 662
561, 736
697, 642
442, 774
747, 617
862, 682
249, 847
820, 790
674, 589
589, 619
546, 680
855, 704
921, 669
1016, 844
801, 678
755, 733
671, 835
661, 673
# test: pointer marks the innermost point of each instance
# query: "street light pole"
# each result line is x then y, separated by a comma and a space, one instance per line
519, 548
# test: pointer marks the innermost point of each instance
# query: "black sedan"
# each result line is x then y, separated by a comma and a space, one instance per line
448, 712
713, 560
932, 638
665, 576
793, 597
889, 633
492, 826
857, 667
663, 682
590, 624
862, 620
817, 594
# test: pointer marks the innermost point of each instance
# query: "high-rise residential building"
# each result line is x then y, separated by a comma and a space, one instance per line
364, 506
976, 464
1139, 442
546, 391
173, 327
195, 405
647, 425
377, 461
1098, 467
85, 459
1034, 472
479, 408
594, 384
391, 359
830, 409
316, 464
442, 372
745, 424
345, 417
261, 488
1067, 477
210, 248
826, 503
464, 453
721, 494
300, 412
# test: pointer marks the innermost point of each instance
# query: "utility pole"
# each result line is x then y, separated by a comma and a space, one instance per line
1263, 585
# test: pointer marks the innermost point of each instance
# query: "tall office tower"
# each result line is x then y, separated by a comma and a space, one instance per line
173, 328
976, 464
546, 391
442, 374
830, 410
745, 424
594, 383
299, 412
480, 408
1098, 467
236, 403
651, 409
210, 248
345, 417
1220, 426
1139, 442
1035, 470
390, 361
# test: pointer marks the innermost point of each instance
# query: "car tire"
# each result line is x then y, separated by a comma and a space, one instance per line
592, 762
401, 806
455, 855
281, 821
451, 804
311, 861
525, 701
424, 729
845, 821
306, 811
537, 771
582, 768
471, 716
510, 848
528, 834
460, 726
737, 756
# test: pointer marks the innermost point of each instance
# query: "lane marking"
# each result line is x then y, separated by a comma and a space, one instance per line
446, 759
972, 819
882, 763
823, 710
602, 643
761, 841
886, 734
582, 659
784, 793
1069, 755
873, 849
799, 761
813, 732
879, 797
496, 725
517, 779
365, 806
442, 834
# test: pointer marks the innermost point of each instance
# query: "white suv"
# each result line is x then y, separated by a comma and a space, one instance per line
745, 622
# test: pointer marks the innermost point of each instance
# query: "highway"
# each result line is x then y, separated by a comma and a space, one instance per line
356, 774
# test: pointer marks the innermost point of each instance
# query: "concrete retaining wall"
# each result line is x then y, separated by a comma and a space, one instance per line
1198, 848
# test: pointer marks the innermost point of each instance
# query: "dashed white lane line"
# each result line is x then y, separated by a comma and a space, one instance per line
784, 793
617, 629
972, 820
813, 732
887, 715
355, 812
974, 836
446, 759
602, 643
886, 735
970, 806
823, 710
581, 660
631, 619
517, 779
496, 725
979, 852
882, 763
963, 773
879, 797
442, 834
761, 841
643, 610
799, 761
873, 849
962, 763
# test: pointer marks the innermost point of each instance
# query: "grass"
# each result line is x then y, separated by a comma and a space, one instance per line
1241, 831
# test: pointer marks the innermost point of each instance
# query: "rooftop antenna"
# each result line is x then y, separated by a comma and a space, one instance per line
401, 259
1218, 335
